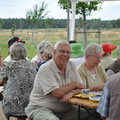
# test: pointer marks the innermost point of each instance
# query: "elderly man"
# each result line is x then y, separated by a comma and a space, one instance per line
56, 82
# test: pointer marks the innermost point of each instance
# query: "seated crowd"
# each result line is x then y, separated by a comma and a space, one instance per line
41, 88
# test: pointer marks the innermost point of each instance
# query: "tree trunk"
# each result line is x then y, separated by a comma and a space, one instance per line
85, 35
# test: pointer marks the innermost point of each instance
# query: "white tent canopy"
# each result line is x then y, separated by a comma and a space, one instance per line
72, 20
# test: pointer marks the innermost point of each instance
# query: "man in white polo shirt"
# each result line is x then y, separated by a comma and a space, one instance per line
56, 82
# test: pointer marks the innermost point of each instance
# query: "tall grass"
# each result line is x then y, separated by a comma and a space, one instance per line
33, 37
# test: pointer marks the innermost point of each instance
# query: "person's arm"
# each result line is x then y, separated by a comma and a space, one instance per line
3, 75
98, 87
104, 104
67, 96
63, 90
1, 82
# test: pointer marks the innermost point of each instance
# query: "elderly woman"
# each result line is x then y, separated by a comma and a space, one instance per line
40, 50
17, 76
46, 55
91, 72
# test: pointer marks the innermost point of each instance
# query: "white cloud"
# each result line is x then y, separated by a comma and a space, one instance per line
110, 10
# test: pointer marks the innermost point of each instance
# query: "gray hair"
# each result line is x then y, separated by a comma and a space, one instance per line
61, 42
48, 50
42, 46
118, 51
18, 51
92, 49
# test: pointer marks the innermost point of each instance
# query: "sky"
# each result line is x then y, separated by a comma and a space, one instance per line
18, 8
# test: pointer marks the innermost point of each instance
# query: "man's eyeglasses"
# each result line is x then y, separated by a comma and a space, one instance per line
63, 52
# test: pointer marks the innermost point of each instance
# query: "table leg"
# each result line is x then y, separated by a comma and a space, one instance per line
78, 112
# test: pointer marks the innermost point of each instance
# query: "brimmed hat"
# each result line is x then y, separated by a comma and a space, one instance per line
77, 50
107, 47
13, 40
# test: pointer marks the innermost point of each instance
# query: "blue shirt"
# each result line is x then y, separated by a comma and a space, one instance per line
104, 104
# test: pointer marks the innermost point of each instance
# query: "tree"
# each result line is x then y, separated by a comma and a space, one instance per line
48, 22
84, 9
13, 29
2, 22
34, 16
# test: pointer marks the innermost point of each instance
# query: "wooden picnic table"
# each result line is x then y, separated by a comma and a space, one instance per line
84, 103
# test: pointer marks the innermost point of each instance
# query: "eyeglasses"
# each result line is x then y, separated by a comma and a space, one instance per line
63, 52
97, 57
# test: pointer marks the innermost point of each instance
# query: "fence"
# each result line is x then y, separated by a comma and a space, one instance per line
90, 35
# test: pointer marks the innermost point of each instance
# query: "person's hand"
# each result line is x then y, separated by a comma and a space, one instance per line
66, 97
80, 85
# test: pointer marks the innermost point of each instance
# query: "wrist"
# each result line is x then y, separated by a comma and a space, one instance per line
73, 91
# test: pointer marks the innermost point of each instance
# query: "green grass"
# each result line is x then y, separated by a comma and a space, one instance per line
53, 36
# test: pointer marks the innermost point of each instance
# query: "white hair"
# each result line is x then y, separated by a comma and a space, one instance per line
48, 50
92, 49
18, 51
61, 42
42, 46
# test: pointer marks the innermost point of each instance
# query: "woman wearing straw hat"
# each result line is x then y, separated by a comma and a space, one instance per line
106, 57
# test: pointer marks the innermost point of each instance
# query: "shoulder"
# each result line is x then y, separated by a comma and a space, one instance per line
7, 59
8, 63
48, 66
81, 67
114, 78
100, 67
114, 81
34, 58
70, 63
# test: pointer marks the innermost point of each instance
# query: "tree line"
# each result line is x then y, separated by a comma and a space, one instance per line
58, 23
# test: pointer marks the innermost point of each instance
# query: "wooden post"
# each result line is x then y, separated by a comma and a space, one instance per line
99, 36
68, 21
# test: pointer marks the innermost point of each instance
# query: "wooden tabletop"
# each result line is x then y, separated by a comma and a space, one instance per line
84, 102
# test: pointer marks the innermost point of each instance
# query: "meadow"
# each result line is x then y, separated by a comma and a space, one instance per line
33, 37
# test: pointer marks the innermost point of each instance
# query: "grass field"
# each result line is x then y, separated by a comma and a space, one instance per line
33, 37
53, 35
